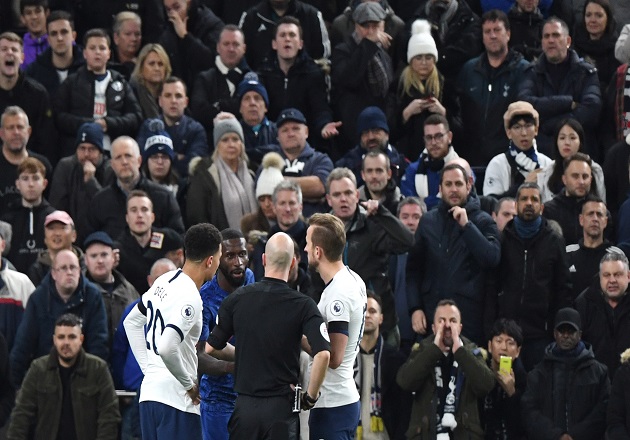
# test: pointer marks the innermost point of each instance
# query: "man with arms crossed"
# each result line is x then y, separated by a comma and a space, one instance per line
172, 313
343, 305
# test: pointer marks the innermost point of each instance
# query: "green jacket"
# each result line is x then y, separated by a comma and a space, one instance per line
94, 402
418, 375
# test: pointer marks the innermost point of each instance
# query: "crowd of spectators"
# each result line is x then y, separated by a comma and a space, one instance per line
477, 151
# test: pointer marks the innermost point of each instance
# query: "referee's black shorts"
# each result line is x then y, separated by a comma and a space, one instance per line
258, 418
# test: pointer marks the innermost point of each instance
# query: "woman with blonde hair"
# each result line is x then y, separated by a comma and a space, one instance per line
152, 68
221, 187
420, 90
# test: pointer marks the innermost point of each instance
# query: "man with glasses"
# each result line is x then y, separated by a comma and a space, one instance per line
66, 290
522, 161
422, 177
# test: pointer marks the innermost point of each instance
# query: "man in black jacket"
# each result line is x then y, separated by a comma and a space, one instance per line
567, 393
605, 311
190, 38
109, 205
533, 275
62, 58
259, 23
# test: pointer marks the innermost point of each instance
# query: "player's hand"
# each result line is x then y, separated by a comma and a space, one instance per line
307, 402
419, 322
507, 382
193, 393
371, 206
460, 215
89, 170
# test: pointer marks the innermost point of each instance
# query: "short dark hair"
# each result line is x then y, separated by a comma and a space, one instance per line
554, 19
231, 234
201, 241
412, 200
26, 3
69, 320
437, 119
288, 19
508, 327
592, 198
97, 33
137, 193
376, 297
454, 166
496, 15
59, 15
329, 234
172, 80
579, 157
501, 201
527, 185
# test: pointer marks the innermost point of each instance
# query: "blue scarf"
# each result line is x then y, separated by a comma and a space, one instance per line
525, 229
526, 161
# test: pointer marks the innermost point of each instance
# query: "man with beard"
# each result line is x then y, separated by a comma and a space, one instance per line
567, 392
565, 208
533, 280
379, 184
217, 391
457, 244
422, 177
68, 393
449, 375
343, 305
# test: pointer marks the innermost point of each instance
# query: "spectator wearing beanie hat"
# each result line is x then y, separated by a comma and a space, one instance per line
270, 177
158, 157
259, 131
522, 161
221, 189
421, 91
188, 136
79, 177
373, 133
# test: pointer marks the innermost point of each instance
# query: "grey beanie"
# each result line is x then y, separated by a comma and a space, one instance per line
227, 126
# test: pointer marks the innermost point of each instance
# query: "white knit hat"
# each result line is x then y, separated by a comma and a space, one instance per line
271, 174
421, 41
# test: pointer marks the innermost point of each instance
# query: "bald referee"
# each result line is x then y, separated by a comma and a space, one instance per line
268, 319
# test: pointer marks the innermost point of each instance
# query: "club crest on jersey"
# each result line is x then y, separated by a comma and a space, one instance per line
188, 312
336, 308
324, 331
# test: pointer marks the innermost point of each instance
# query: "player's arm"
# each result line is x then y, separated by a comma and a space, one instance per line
226, 353
134, 326
169, 349
321, 361
211, 366
338, 333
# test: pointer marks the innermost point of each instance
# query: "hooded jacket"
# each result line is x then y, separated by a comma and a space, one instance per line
566, 394
618, 417
33, 338
44, 72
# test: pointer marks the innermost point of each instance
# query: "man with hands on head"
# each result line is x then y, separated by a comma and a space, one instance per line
448, 375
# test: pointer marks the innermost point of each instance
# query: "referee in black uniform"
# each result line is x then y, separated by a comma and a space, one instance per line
268, 319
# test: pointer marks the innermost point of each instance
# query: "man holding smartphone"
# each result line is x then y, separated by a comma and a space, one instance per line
501, 410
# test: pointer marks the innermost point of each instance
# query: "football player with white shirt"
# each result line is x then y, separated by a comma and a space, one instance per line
342, 305
172, 312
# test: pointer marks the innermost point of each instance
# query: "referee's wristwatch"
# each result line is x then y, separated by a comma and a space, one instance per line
308, 402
